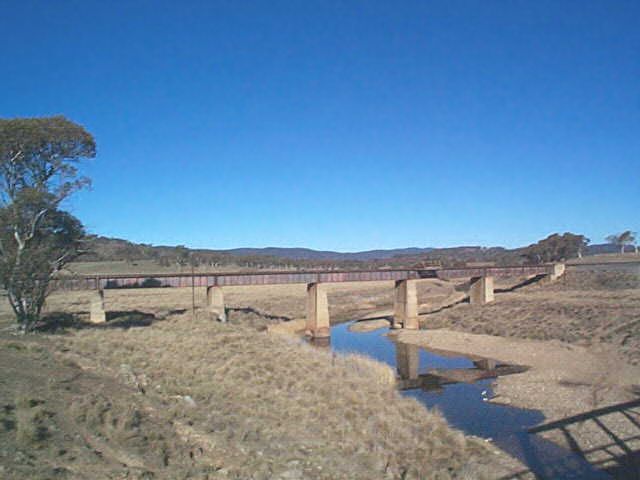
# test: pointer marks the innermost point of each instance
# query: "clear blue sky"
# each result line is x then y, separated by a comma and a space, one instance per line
340, 125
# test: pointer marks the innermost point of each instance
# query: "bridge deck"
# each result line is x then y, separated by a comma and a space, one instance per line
99, 282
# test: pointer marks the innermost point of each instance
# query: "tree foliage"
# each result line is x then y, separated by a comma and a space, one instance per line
556, 248
622, 239
38, 170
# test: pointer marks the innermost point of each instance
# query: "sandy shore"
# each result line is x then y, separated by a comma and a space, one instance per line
563, 380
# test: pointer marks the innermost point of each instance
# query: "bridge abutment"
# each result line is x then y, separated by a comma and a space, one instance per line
405, 305
97, 313
215, 302
318, 325
481, 291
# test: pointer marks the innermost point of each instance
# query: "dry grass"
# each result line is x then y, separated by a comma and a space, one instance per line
229, 401
585, 308
628, 256
275, 406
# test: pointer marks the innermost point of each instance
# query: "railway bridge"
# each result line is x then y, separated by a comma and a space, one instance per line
318, 325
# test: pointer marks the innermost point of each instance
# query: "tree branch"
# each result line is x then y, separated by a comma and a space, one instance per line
56, 263
35, 222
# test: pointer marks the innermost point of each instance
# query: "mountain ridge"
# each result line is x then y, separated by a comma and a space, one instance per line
106, 248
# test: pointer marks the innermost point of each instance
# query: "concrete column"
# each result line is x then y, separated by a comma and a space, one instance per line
405, 305
481, 291
215, 302
407, 361
558, 271
317, 312
96, 312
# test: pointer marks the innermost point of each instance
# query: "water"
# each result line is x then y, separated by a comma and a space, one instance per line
465, 405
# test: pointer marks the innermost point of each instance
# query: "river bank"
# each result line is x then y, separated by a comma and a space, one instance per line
176, 397
562, 381
580, 337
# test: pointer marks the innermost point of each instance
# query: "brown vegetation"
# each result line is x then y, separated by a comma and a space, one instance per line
186, 399
180, 398
586, 308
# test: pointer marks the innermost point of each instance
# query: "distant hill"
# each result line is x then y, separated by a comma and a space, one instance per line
602, 248
309, 254
109, 249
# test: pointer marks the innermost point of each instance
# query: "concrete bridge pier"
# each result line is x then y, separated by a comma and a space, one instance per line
96, 312
481, 291
318, 325
405, 305
556, 273
215, 302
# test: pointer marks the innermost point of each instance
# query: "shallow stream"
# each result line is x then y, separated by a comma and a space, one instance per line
465, 404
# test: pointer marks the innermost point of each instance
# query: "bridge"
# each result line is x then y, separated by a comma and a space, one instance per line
318, 325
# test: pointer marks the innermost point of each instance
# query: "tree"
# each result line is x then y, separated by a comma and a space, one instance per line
182, 255
38, 171
556, 248
621, 239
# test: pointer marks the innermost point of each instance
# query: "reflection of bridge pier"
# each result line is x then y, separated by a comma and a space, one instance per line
407, 360
434, 379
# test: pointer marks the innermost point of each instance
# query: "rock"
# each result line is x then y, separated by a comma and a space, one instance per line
293, 474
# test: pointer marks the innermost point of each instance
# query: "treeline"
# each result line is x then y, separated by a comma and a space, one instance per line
555, 247
99, 248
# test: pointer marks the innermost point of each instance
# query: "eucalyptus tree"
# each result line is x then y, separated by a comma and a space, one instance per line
38, 170
622, 239
556, 248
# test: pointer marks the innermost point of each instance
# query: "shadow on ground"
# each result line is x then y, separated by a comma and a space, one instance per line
253, 311
464, 287
616, 458
527, 282
446, 307
62, 322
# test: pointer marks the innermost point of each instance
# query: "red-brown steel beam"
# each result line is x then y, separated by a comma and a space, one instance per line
98, 282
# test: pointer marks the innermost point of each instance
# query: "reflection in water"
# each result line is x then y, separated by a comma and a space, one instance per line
424, 376
407, 361
459, 388
408, 365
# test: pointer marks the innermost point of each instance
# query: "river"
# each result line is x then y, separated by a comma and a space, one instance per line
466, 405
